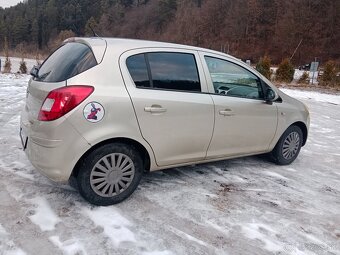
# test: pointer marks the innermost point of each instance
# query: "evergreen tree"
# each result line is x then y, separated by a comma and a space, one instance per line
23, 67
263, 66
329, 75
285, 71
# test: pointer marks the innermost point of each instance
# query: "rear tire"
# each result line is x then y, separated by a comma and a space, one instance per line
288, 147
110, 174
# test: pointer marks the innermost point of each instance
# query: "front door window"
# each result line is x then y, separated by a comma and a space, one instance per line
233, 80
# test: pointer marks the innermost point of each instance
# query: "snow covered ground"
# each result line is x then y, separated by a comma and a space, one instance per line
16, 63
240, 206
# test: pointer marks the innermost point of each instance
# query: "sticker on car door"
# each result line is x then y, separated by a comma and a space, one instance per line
94, 112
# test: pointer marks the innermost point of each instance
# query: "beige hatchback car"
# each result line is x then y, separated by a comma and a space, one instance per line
105, 110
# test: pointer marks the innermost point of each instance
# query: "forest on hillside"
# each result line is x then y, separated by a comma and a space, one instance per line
247, 29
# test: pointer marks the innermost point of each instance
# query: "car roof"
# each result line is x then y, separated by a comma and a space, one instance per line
124, 44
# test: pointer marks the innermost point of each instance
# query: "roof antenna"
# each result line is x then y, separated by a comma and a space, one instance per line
94, 33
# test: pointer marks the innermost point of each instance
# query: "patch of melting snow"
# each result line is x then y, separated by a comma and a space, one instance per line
291, 249
24, 175
2, 231
314, 239
44, 216
309, 152
16, 251
320, 145
114, 224
68, 247
325, 130
275, 175
186, 236
13, 126
217, 227
254, 231
7, 246
15, 192
239, 179
158, 253
210, 195
218, 170
18, 169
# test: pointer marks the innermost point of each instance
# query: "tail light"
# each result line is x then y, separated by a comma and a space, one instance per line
62, 100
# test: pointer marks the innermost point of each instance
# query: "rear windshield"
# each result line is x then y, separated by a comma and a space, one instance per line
67, 61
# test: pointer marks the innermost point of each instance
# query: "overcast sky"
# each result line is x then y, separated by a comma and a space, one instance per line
8, 3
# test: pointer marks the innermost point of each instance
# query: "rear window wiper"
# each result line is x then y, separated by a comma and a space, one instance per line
43, 76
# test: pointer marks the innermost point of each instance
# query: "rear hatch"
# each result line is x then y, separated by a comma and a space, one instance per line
75, 56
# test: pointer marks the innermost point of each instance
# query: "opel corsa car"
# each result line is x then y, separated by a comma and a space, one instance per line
105, 110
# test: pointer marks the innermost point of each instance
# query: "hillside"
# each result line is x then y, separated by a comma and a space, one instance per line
247, 29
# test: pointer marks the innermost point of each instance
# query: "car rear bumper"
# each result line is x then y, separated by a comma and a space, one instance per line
54, 157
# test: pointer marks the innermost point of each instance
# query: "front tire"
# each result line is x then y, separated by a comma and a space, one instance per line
110, 174
288, 147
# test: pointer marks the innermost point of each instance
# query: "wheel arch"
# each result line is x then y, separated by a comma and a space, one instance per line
304, 130
139, 147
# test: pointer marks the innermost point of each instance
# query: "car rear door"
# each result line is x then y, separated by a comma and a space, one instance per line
168, 92
244, 122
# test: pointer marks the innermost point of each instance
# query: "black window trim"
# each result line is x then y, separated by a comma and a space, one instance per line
146, 57
150, 74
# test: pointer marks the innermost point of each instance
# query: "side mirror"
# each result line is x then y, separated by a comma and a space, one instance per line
270, 96
34, 71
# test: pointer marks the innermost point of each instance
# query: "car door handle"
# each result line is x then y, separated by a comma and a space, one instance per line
226, 112
154, 109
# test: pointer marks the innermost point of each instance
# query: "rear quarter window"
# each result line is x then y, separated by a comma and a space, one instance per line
67, 61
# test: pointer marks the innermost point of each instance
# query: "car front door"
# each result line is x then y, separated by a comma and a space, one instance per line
169, 94
244, 122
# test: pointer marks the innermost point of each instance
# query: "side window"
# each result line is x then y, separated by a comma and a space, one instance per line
165, 70
174, 71
138, 70
233, 80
